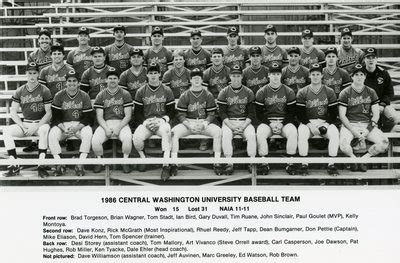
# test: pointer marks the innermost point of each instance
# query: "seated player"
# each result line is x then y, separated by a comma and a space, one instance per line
317, 112
154, 108
275, 107
35, 102
113, 111
359, 113
196, 109
72, 116
236, 110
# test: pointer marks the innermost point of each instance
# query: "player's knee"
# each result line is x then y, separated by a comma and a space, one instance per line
86, 132
43, 129
333, 132
345, 147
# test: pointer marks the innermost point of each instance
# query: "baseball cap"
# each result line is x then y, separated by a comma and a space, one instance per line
275, 67
307, 33
236, 70
315, 67
255, 50
233, 31
217, 50
97, 50
157, 30
195, 32
119, 27
83, 30
293, 50
346, 31
371, 52
331, 50
57, 47
270, 28
32, 66
358, 68
112, 72
72, 74
196, 72
153, 67
44, 32
136, 51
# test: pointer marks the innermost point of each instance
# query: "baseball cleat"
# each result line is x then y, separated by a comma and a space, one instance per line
141, 167
126, 168
332, 170
303, 169
174, 170
60, 170
263, 169
12, 171
354, 167
229, 169
79, 171
218, 169
97, 168
291, 169
42, 173
165, 173
362, 167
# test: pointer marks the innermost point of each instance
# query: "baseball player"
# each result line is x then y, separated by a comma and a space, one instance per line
196, 56
255, 76
294, 75
317, 112
80, 59
157, 53
72, 116
236, 110
275, 110
332, 76
234, 54
217, 76
177, 78
42, 56
154, 108
359, 113
136, 76
113, 111
271, 52
34, 99
379, 80
53, 76
348, 55
94, 79
117, 54
309, 54
196, 112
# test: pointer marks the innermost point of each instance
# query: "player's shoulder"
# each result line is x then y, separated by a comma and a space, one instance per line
329, 90
303, 91
84, 94
287, 88
304, 69
60, 94
345, 91
45, 70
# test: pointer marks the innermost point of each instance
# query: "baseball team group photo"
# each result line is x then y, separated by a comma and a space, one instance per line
270, 94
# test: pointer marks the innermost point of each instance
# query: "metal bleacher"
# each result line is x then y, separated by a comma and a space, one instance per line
374, 23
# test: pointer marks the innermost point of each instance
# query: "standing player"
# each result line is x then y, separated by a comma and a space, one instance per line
154, 108
348, 55
334, 77
94, 79
379, 80
255, 76
72, 116
177, 78
309, 54
118, 53
53, 76
295, 75
113, 111
157, 53
317, 112
271, 52
42, 56
275, 104
196, 109
234, 54
136, 76
196, 56
236, 110
81, 58
359, 113
216, 77
35, 102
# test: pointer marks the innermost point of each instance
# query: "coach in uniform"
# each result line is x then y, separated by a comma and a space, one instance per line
72, 116
35, 102
359, 113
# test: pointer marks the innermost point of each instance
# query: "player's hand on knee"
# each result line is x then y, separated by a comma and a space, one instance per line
116, 131
31, 130
313, 128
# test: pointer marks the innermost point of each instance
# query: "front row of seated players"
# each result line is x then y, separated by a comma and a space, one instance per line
155, 105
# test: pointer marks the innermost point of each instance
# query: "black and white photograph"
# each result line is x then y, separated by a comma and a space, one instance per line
199, 131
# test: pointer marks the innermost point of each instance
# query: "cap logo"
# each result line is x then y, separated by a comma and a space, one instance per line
83, 28
112, 69
269, 26
358, 66
307, 31
346, 30
32, 64
233, 29
370, 49
72, 72
156, 28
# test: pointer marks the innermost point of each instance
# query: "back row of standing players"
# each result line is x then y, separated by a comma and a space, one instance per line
217, 65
